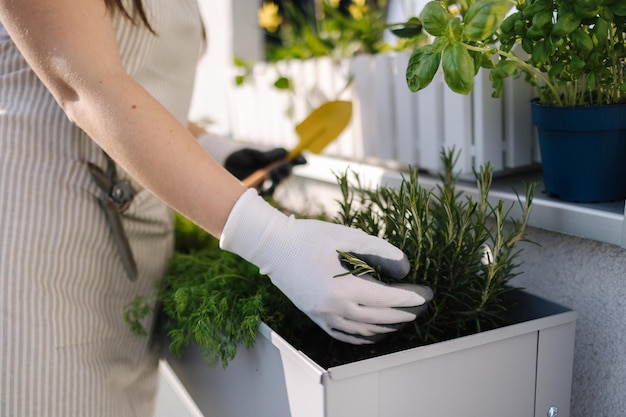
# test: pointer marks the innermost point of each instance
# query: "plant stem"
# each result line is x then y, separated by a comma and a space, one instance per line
520, 63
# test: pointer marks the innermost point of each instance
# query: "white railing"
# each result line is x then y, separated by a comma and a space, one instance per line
390, 124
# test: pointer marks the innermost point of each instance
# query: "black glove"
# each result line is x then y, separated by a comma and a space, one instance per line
244, 162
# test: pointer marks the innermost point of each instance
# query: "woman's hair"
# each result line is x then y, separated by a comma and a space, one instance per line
138, 11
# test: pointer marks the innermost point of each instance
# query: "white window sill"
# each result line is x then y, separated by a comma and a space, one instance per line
601, 222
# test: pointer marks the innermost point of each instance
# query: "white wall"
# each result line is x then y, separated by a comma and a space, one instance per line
232, 29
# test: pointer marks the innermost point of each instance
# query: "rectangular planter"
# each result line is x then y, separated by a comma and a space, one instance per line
520, 370
390, 124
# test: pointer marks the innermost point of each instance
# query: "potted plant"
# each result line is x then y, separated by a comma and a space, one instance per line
572, 52
340, 51
480, 346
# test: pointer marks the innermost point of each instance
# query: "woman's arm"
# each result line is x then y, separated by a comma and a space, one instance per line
71, 45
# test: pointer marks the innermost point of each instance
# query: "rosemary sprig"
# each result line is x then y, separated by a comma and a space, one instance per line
357, 267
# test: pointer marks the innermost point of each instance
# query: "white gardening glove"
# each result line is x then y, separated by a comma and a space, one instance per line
300, 257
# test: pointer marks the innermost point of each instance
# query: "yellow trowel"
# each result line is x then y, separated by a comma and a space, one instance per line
321, 127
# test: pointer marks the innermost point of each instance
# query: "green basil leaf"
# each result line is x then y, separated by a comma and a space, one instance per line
601, 30
577, 66
435, 18
541, 25
539, 54
498, 87
482, 60
618, 7
582, 40
484, 17
458, 68
527, 45
508, 24
558, 71
540, 20
505, 68
238, 62
409, 29
607, 14
586, 3
282, 83
591, 81
439, 44
566, 23
454, 29
422, 67
535, 7
587, 12
520, 27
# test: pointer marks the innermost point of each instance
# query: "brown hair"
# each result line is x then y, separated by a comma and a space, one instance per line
138, 11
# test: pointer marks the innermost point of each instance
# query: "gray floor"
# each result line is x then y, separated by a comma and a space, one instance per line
173, 400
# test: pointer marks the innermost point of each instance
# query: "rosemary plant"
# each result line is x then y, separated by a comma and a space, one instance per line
462, 248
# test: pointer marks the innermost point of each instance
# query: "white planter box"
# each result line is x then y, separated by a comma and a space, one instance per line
521, 370
390, 124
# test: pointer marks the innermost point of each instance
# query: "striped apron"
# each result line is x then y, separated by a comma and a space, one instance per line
65, 349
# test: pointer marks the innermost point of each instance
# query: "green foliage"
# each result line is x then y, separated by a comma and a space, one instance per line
190, 238
573, 52
325, 28
217, 300
330, 29
357, 267
137, 310
445, 235
214, 299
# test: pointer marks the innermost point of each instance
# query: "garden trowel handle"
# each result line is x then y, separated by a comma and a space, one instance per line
256, 179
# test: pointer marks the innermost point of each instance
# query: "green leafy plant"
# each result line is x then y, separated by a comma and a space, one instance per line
463, 248
135, 312
301, 30
572, 51
327, 28
216, 299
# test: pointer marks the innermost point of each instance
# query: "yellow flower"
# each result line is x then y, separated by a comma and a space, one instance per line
268, 17
357, 9
334, 3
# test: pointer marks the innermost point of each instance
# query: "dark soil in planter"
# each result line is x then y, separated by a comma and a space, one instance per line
328, 352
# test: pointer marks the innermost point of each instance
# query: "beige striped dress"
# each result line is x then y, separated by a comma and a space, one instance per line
65, 349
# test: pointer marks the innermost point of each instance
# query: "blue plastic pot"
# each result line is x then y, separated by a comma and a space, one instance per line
583, 151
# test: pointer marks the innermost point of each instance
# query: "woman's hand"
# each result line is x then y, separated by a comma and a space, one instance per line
301, 259
245, 162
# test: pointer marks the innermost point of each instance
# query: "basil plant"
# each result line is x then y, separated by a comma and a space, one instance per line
572, 51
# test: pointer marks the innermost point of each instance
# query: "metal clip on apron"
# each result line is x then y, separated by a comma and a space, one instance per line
115, 200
